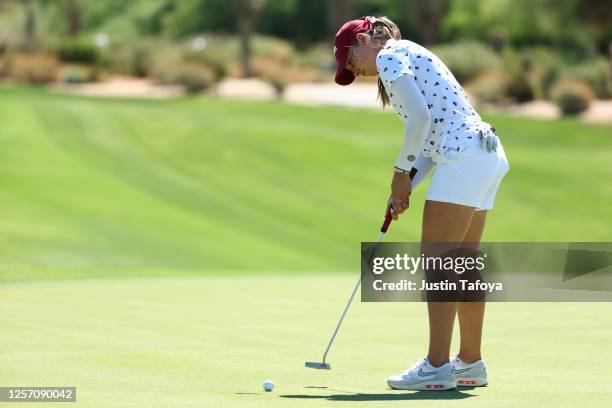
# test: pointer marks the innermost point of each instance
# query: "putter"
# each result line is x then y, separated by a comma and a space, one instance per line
324, 365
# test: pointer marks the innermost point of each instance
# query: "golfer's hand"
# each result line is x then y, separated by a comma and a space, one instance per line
401, 188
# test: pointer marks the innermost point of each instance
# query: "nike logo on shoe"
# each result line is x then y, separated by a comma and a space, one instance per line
422, 373
463, 370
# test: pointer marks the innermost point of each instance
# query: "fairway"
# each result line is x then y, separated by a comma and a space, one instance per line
211, 342
98, 187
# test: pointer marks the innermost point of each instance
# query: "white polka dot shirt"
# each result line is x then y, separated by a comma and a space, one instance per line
427, 89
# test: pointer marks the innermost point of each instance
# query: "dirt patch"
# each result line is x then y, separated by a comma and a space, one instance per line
356, 95
245, 89
364, 95
123, 87
599, 112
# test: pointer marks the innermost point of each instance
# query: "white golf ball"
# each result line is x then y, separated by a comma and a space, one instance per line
268, 385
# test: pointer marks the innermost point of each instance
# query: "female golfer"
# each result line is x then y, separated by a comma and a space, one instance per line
443, 130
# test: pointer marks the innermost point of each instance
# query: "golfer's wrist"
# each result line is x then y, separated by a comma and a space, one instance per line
405, 162
401, 170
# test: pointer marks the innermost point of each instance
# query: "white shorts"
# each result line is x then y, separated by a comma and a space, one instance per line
471, 178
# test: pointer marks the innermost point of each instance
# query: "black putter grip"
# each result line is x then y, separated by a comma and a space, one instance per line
388, 217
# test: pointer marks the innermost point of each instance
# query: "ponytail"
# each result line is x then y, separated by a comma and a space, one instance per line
383, 31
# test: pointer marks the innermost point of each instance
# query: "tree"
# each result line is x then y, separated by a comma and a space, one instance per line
73, 17
29, 28
575, 26
247, 13
429, 16
597, 15
61, 16
340, 11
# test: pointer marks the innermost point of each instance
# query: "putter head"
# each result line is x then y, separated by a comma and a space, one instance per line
317, 365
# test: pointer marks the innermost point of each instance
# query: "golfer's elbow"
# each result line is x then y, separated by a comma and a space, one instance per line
421, 117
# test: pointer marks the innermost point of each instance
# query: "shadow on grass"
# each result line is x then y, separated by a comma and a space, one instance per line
390, 396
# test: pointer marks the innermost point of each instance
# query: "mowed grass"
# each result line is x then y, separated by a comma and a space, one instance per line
211, 342
94, 187
266, 202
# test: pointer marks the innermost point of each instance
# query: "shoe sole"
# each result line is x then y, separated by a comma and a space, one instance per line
433, 386
471, 382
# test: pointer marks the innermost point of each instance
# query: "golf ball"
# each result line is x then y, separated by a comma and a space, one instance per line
268, 385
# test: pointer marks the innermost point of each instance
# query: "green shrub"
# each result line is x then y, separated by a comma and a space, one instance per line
217, 65
596, 72
491, 87
136, 58
532, 72
279, 74
572, 96
32, 68
223, 53
194, 77
319, 56
4, 66
79, 51
218, 48
519, 89
539, 68
74, 74
467, 59
543, 66
272, 48
278, 84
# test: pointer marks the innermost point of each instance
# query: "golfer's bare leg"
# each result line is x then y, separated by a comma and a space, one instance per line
471, 314
443, 222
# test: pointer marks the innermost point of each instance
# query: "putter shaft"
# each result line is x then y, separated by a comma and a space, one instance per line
350, 300
383, 229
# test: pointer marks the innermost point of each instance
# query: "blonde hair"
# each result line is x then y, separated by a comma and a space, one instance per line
383, 31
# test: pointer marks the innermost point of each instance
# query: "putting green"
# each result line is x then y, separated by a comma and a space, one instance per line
211, 342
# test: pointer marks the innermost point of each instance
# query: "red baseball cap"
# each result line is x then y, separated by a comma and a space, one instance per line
343, 42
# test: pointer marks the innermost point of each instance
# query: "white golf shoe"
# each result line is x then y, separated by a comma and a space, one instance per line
422, 376
469, 375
